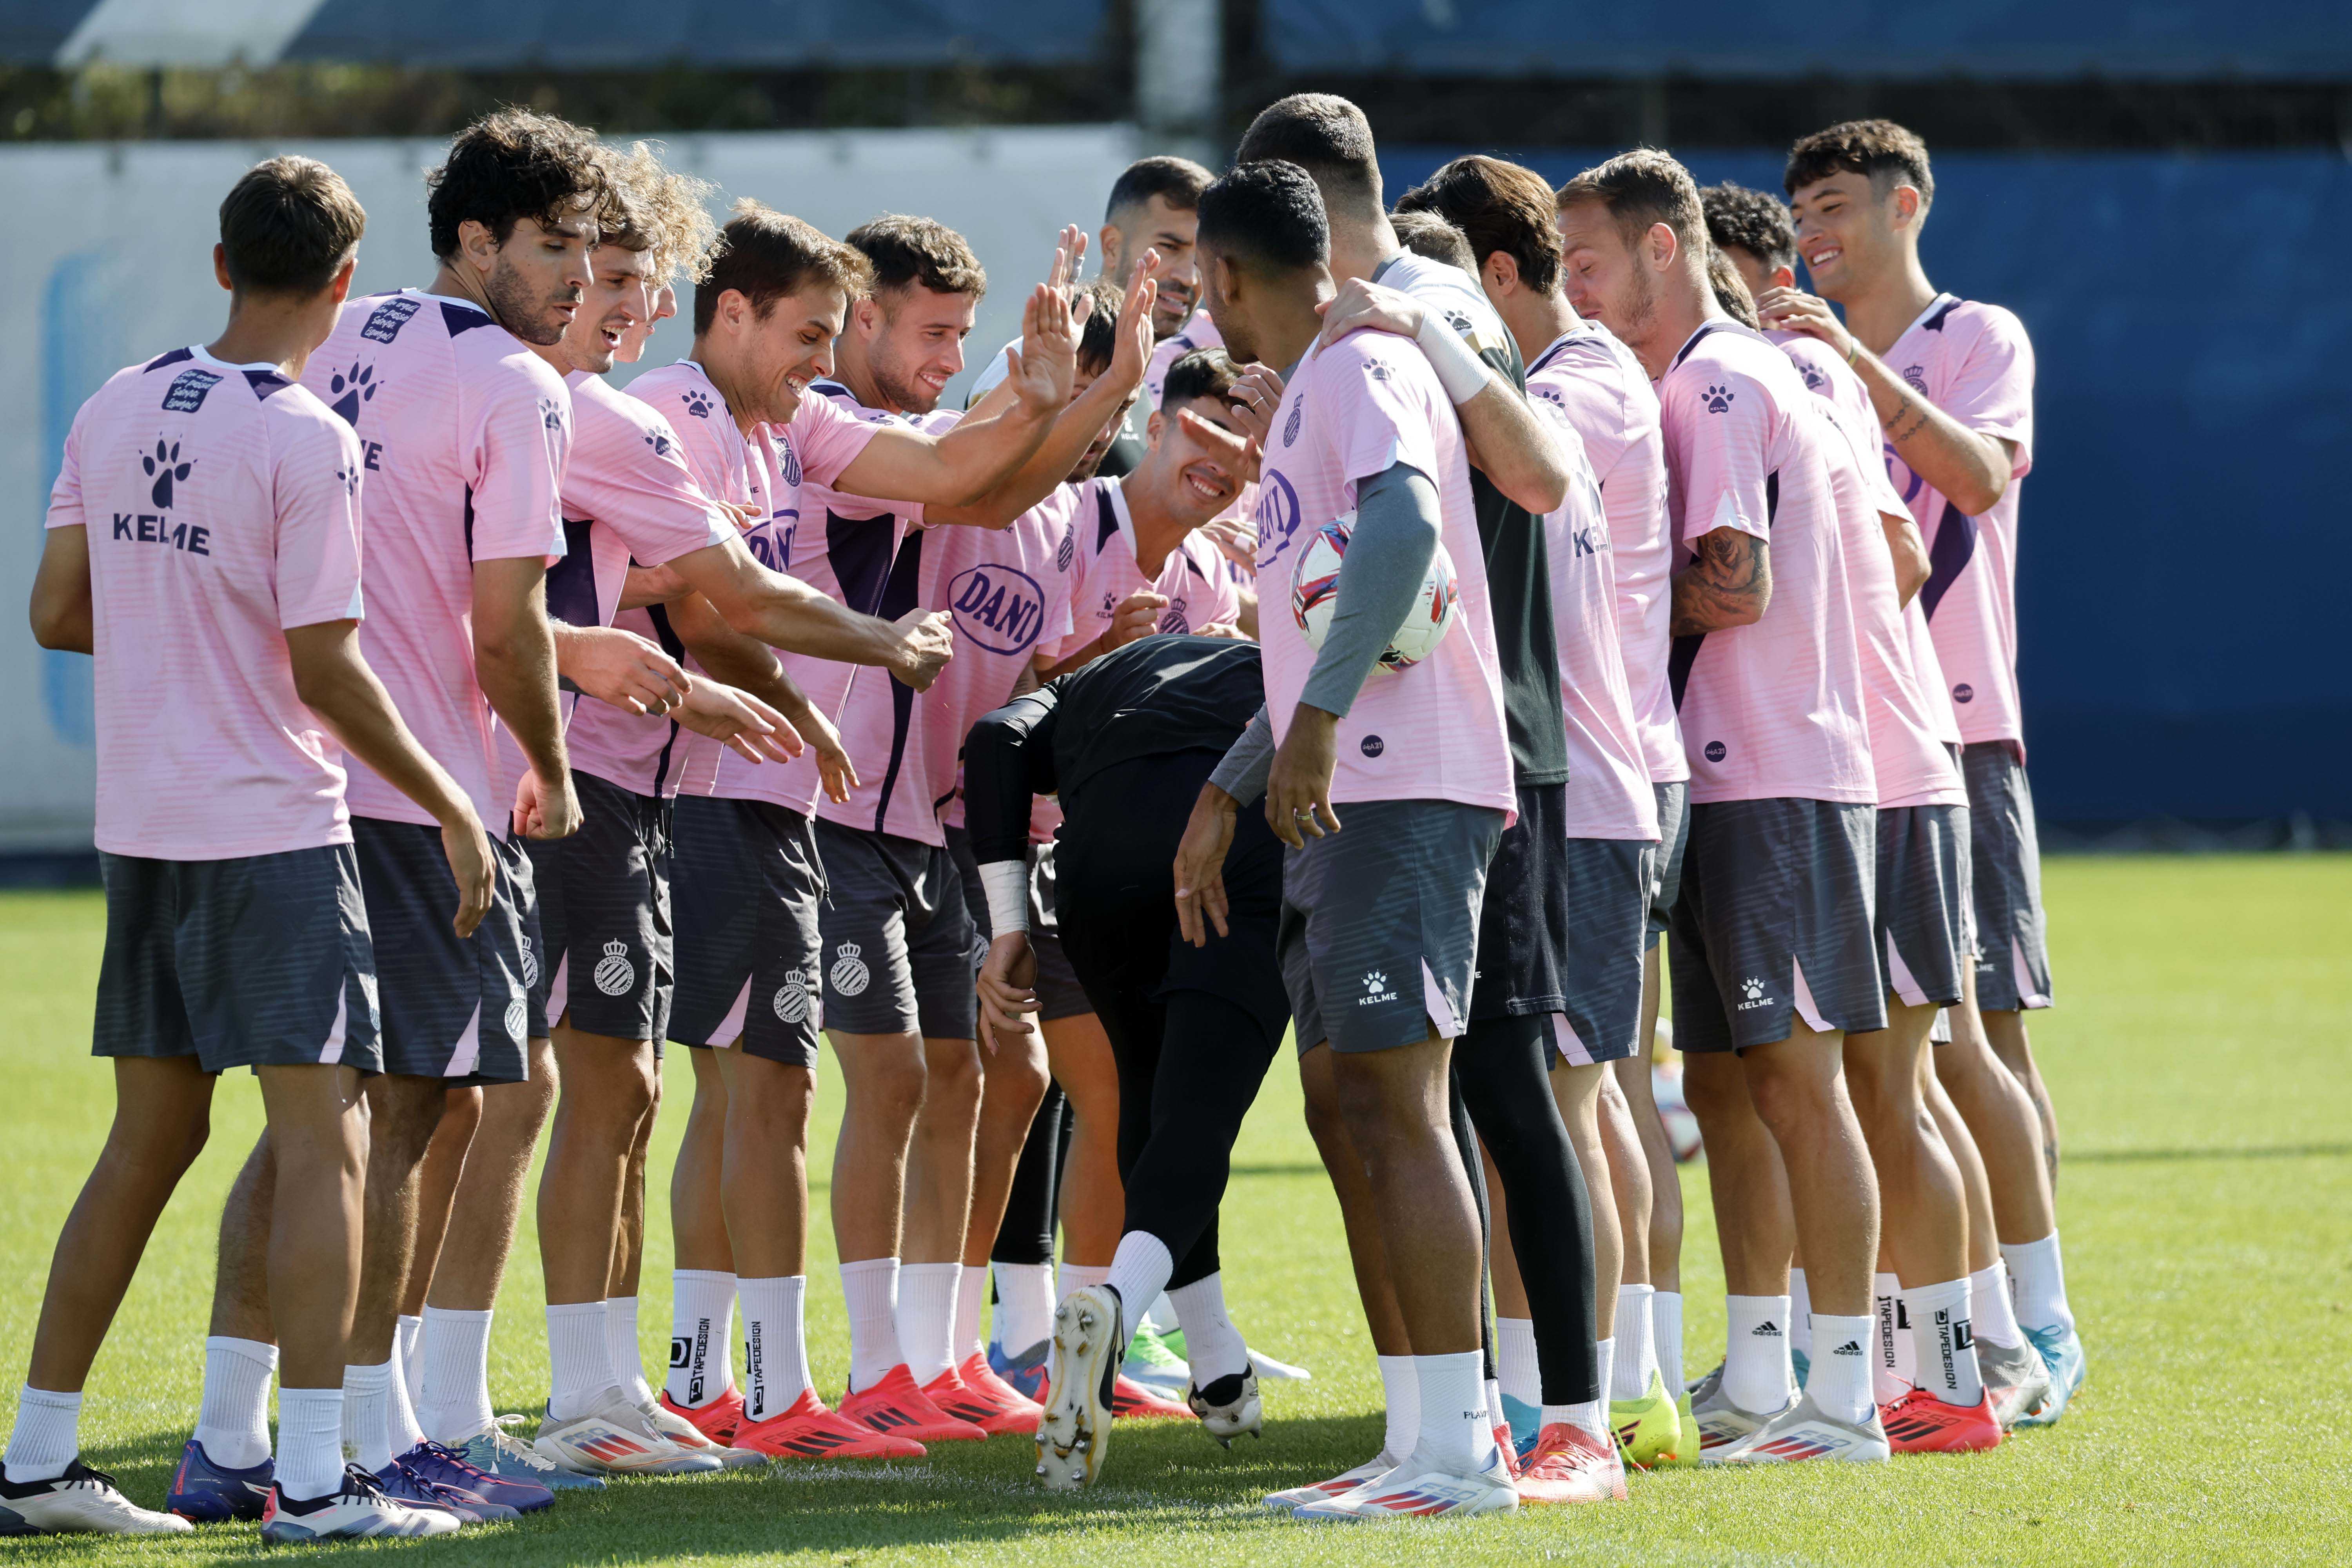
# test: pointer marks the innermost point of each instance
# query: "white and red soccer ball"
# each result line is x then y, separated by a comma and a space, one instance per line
1315, 595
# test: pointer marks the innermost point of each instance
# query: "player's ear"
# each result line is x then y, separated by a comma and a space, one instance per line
1502, 271
341, 287
1906, 205
1109, 244
1663, 246
1153, 426
1782, 277
220, 267
476, 244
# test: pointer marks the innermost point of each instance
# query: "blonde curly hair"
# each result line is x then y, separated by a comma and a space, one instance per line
665, 212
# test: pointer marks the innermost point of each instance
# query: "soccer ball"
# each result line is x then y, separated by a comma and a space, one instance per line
1314, 594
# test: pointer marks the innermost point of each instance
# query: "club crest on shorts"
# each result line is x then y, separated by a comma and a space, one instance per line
518, 1021
614, 972
791, 999
849, 974
529, 960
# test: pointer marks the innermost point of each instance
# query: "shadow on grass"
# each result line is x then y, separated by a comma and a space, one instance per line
1158, 1473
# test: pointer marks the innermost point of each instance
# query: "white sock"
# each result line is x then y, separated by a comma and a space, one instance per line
399, 1416
1637, 1360
1139, 1270
456, 1353
577, 1356
1024, 1305
1455, 1433
1515, 1358
701, 1327
1840, 1384
621, 1348
926, 1302
48, 1434
1994, 1315
1496, 1420
406, 1333
1077, 1277
1587, 1417
1886, 1301
1401, 1388
1800, 1315
1604, 1352
1212, 1346
870, 1287
367, 1400
1755, 1374
775, 1344
1162, 1313
233, 1422
1943, 1351
309, 1441
972, 1295
2037, 1277
1666, 1333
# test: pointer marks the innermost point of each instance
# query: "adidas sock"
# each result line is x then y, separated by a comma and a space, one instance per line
1637, 1359
367, 1394
1942, 1348
926, 1318
1454, 1432
1755, 1374
621, 1348
2037, 1277
309, 1441
1666, 1333
48, 1434
233, 1422
399, 1416
972, 1294
1212, 1346
1077, 1277
1993, 1316
1401, 1389
406, 1335
1024, 1305
1139, 1270
870, 1287
775, 1344
579, 1367
701, 1327
1801, 1316
456, 1356
1839, 1385
1515, 1358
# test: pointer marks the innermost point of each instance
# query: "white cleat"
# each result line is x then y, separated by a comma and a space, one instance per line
358, 1511
613, 1439
690, 1438
1228, 1407
1296, 1497
2016, 1377
1723, 1426
1075, 1428
1805, 1432
1269, 1370
80, 1501
1421, 1488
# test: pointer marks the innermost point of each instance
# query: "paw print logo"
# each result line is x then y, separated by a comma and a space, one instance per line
550, 413
165, 466
661, 444
1753, 990
1374, 980
350, 479
1377, 371
350, 389
698, 405
1718, 399
1814, 380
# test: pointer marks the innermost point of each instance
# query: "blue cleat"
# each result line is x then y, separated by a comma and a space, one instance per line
500, 1453
1526, 1424
449, 1468
2062, 1353
1801, 1365
1025, 1372
403, 1485
206, 1493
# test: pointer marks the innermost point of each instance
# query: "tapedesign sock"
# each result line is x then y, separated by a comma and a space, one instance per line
926, 1314
1800, 1315
309, 1442
1024, 1305
1840, 1384
1454, 1432
701, 1327
1212, 1346
1077, 1277
621, 1348
775, 1344
1637, 1357
870, 1287
1515, 1357
455, 1352
48, 1434
1944, 1352
1138, 1272
1666, 1331
1888, 1382
399, 1416
577, 1358
2037, 1276
1756, 1372
972, 1294
1994, 1315
233, 1422
367, 1401
408, 1333
1401, 1389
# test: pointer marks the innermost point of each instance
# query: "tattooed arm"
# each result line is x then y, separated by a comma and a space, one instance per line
1728, 584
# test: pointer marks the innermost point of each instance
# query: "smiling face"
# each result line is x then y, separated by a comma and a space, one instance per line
1191, 483
1172, 232
618, 302
770, 359
1607, 279
535, 281
1848, 232
913, 343
633, 341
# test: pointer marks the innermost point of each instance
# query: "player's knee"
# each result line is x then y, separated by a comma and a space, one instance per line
891, 1091
1790, 1099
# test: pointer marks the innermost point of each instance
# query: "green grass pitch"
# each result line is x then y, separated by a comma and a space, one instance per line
2199, 1062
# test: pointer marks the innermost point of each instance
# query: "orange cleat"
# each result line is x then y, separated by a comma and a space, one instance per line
897, 1407
810, 1431
718, 1420
1919, 1422
993, 1413
1569, 1464
1130, 1401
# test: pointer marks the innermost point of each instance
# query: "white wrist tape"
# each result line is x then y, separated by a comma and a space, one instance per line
1459, 370
1006, 883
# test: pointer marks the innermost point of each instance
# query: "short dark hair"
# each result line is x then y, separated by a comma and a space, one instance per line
1098, 338
764, 255
1178, 182
287, 227
1730, 289
513, 164
1426, 234
1203, 372
1750, 221
1329, 138
1497, 206
1268, 216
907, 252
1885, 151
1639, 188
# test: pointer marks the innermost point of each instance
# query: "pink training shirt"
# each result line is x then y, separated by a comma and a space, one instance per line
1973, 362
464, 435
1198, 332
1433, 730
1774, 709
1595, 380
221, 503
1194, 576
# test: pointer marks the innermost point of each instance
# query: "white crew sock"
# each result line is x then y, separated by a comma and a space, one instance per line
1943, 1353
1139, 1270
775, 1344
1591, 1414
1800, 1315
1637, 1359
1667, 1333
48, 1434
1994, 1315
1496, 1420
972, 1295
701, 1328
1162, 1313
1212, 1346
1890, 1367
1455, 1435
406, 1334
2037, 1277
1515, 1358
233, 1422
870, 1287
309, 1441
622, 1349
400, 1426
1401, 1390
367, 1401
1024, 1305
1077, 1277
927, 1303
1756, 1372
456, 1353
1840, 1384
578, 1358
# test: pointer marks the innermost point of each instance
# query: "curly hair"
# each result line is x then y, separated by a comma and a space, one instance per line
1747, 220
513, 164
906, 251
665, 212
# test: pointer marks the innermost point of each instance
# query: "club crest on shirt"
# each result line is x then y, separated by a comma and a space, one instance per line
1067, 550
1917, 376
1290, 425
791, 460
1175, 622
998, 607
849, 974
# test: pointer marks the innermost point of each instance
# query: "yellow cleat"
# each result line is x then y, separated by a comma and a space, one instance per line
1650, 1429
